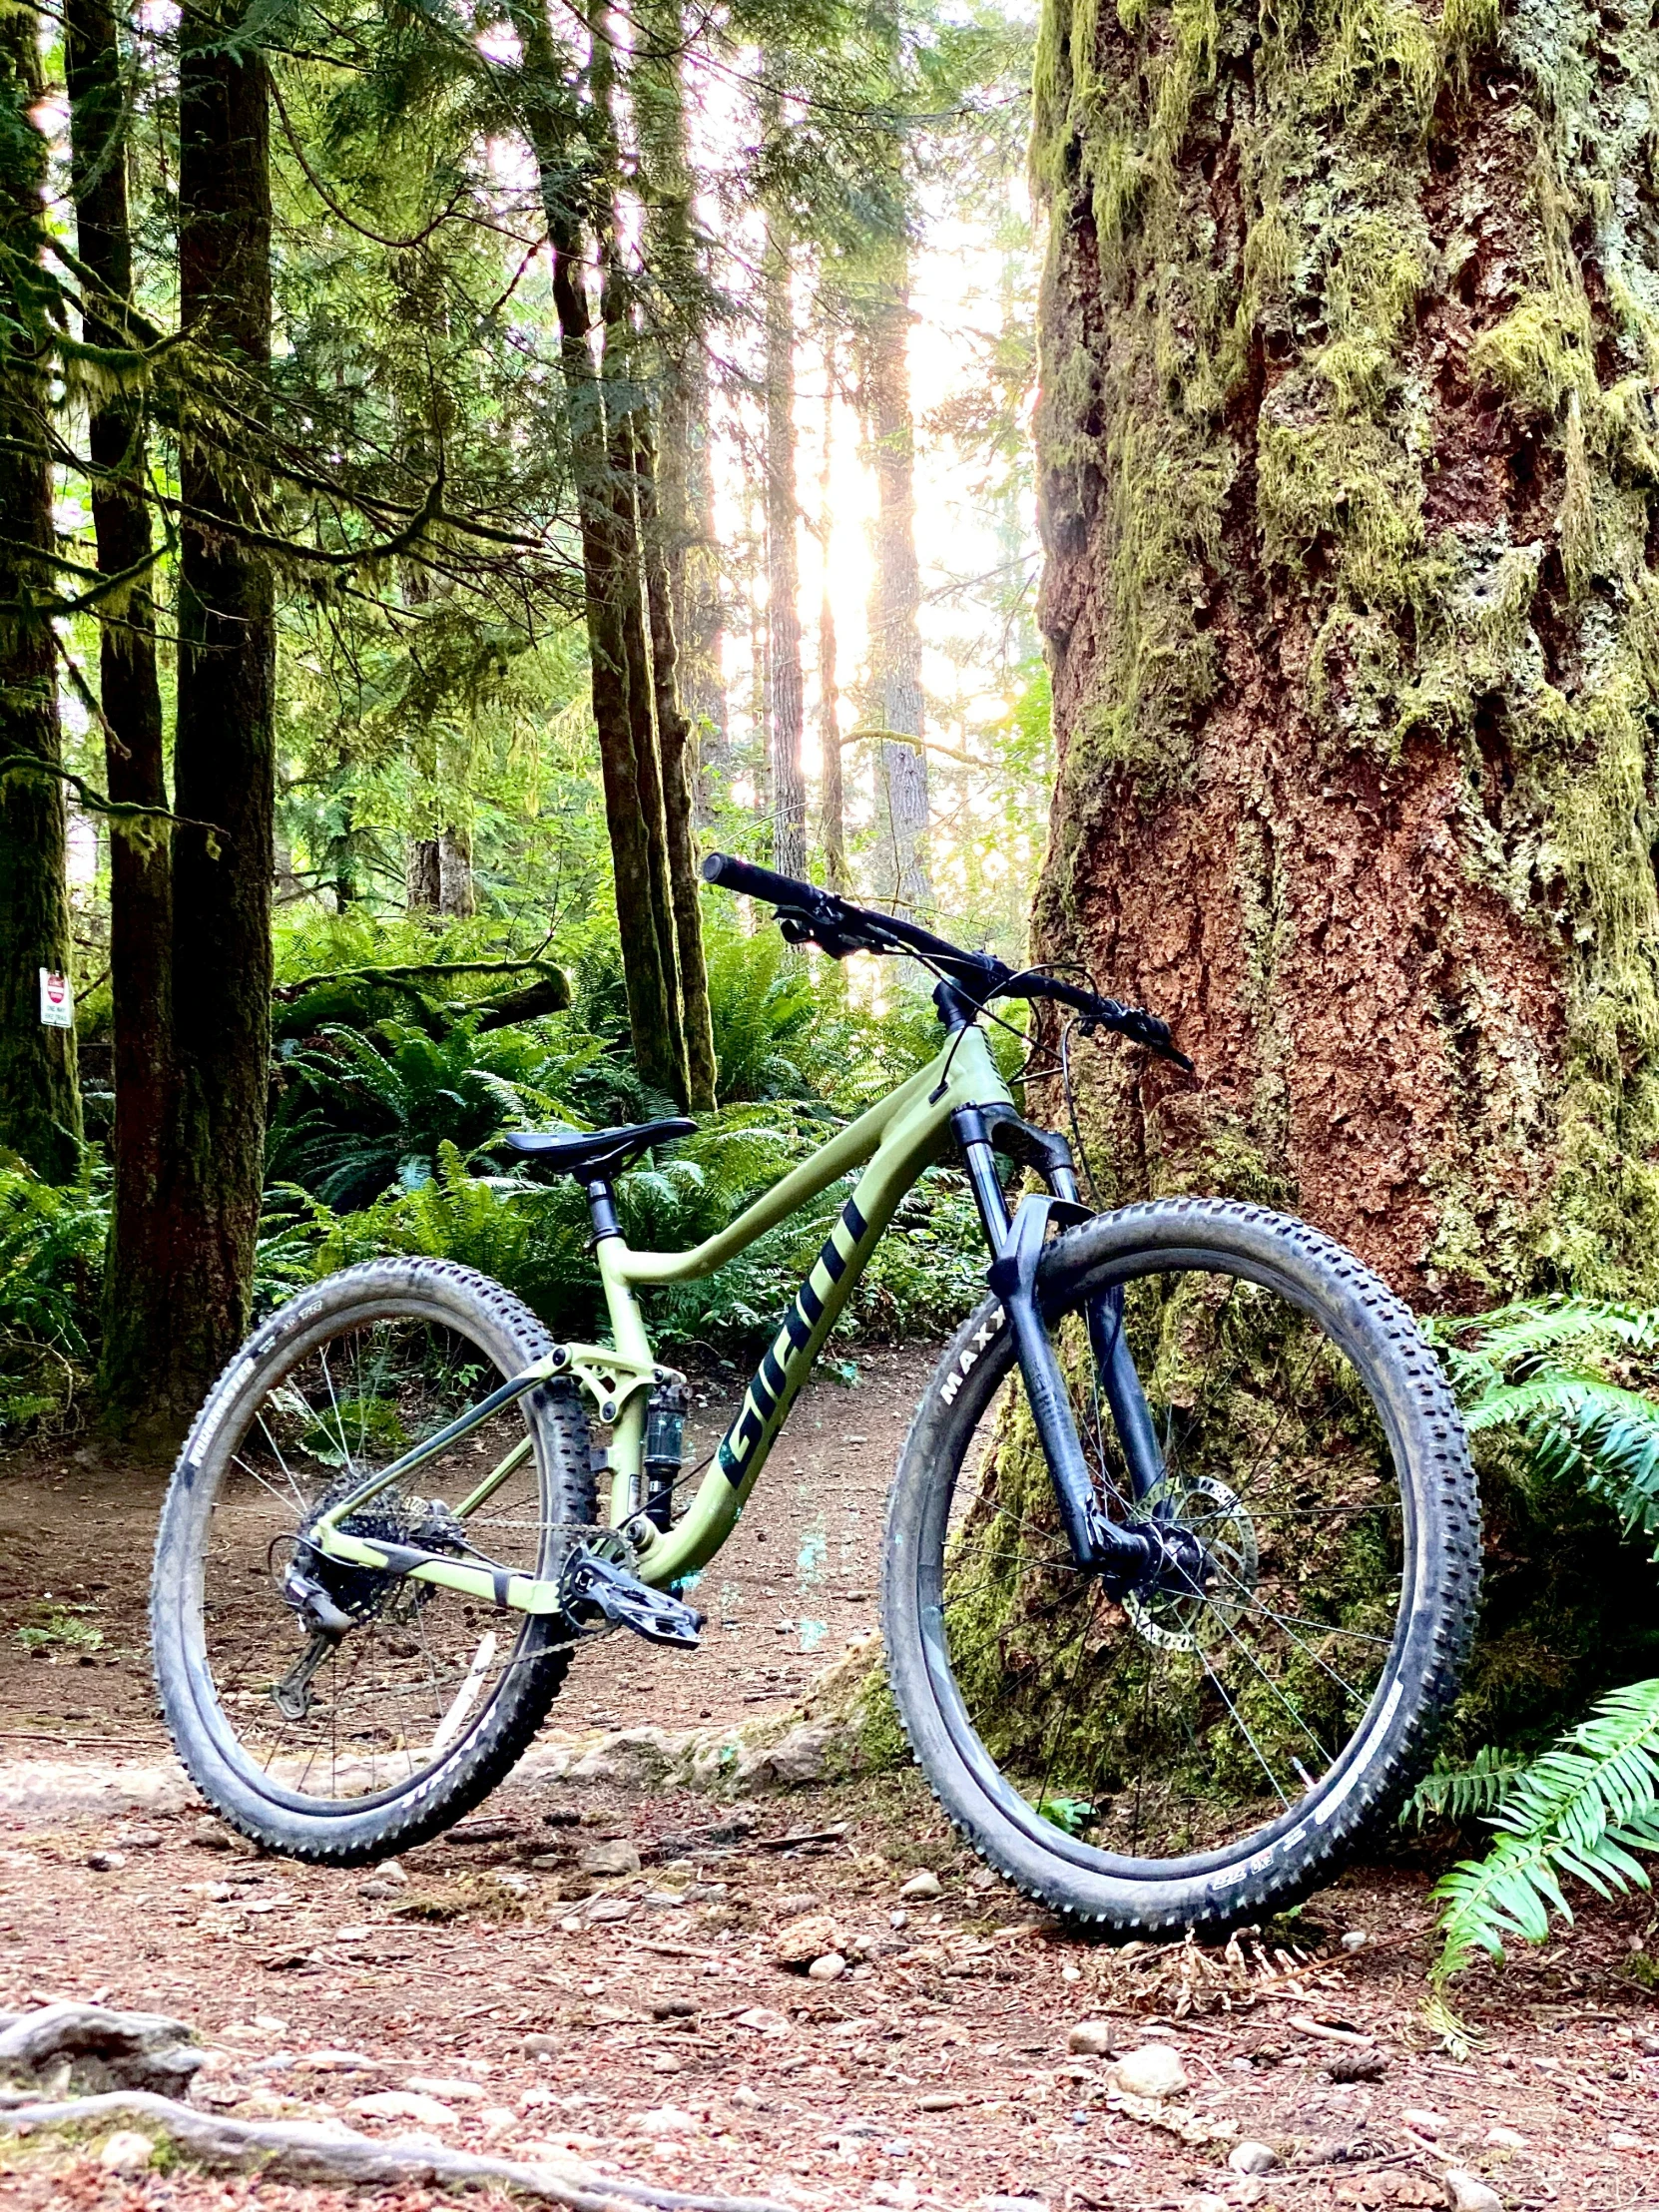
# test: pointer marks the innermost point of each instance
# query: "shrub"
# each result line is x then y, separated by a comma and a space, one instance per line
1571, 1381
52, 1239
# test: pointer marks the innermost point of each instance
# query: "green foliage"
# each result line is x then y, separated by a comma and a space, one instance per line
1571, 1378
1456, 1793
53, 1626
1561, 1372
1583, 1810
52, 1239
358, 1113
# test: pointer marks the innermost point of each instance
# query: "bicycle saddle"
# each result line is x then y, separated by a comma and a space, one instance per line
593, 1154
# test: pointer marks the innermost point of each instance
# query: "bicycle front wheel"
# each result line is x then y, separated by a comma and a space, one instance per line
1175, 1760
349, 1745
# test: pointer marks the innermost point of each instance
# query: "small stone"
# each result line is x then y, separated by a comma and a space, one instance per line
607, 1908
1154, 2072
141, 1839
927, 1884
1504, 2138
1251, 2158
674, 2009
1091, 2040
830, 1968
1356, 1940
444, 2086
540, 2044
1426, 2122
615, 1858
1206, 2202
799, 1942
125, 2151
663, 2120
1648, 2045
1013, 2204
1622, 2139
210, 1835
748, 2100
1466, 2192
942, 2100
404, 2104
899, 1919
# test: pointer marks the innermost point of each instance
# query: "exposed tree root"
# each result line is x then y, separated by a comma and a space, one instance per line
302, 2151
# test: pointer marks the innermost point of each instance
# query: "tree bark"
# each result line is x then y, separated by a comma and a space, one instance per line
676, 739
618, 650
183, 1301
141, 867
422, 877
789, 783
896, 695
685, 478
837, 874
1348, 483
40, 1100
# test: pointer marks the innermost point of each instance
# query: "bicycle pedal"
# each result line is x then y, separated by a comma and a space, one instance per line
626, 1602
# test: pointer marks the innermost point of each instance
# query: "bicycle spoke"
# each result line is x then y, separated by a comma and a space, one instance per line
1270, 1451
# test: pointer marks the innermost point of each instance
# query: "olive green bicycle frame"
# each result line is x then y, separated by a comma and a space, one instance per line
905, 1133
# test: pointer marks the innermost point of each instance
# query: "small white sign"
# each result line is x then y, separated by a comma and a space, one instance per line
56, 1007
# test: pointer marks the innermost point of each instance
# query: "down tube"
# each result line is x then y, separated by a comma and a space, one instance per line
724, 1489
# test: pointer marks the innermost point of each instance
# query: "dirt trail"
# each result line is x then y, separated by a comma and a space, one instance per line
645, 2020
795, 1584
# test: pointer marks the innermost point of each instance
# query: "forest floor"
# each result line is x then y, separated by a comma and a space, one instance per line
493, 1993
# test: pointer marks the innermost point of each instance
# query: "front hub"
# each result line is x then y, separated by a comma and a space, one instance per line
1208, 1567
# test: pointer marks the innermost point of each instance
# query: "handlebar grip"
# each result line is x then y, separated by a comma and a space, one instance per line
733, 875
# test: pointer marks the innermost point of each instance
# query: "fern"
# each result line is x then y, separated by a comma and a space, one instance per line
1463, 1793
1582, 1810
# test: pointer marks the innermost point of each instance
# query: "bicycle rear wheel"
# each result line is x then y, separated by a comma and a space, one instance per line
351, 1745
1166, 1761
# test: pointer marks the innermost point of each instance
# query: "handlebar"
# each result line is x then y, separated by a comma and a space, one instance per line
808, 915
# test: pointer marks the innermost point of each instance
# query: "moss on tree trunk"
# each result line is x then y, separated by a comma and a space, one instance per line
1348, 454
40, 1100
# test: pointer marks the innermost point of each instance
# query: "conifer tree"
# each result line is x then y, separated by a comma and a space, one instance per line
40, 1104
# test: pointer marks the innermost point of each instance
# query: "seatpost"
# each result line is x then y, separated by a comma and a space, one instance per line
602, 1209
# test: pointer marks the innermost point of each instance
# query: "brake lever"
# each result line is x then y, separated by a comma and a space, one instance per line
1140, 1027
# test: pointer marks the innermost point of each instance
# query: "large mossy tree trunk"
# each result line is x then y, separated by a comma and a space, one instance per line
1347, 456
181, 1303
128, 687
40, 1099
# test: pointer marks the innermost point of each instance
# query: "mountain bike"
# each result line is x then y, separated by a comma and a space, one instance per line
1181, 1556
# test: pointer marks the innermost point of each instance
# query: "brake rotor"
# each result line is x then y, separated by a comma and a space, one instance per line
1183, 1620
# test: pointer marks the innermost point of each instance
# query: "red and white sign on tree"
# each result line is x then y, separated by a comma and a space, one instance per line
56, 1007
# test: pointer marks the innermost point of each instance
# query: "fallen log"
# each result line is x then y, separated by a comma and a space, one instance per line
306, 2151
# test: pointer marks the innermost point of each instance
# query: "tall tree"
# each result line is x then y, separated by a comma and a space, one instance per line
785, 682
682, 302
837, 874
582, 218
130, 699
1347, 478
895, 690
183, 1295
40, 1104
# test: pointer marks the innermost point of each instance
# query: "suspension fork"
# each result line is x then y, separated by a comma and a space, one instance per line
1122, 1557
